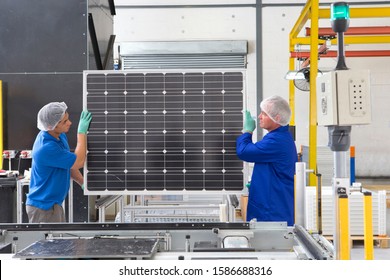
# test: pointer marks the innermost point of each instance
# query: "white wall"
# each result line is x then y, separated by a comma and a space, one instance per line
156, 20
163, 20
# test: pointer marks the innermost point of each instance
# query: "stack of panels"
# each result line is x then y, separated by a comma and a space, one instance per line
325, 163
165, 131
356, 212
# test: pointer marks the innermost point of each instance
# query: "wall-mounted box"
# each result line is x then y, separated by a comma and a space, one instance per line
343, 98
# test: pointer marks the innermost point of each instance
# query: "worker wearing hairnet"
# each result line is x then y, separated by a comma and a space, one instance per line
53, 165
271, 191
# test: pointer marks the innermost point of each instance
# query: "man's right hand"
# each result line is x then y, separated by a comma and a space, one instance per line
85, 120
249, 122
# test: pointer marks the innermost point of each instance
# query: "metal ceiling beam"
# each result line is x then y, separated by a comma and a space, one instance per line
374, 53
366, 30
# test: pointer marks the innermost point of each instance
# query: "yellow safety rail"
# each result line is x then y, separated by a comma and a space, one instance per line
368, 232
343, 218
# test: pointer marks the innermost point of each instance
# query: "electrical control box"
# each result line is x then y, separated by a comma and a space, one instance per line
343, 98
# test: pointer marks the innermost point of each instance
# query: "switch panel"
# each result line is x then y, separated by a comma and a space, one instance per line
327, 99
343, 98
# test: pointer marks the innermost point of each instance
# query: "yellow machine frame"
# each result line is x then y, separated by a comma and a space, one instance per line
312, 12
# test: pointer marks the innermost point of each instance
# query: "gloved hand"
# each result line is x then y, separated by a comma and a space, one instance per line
85, 120
249, 122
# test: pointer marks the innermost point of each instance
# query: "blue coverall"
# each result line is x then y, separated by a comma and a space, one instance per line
271, 192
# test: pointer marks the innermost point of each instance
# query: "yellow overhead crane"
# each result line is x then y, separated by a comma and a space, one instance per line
312, 12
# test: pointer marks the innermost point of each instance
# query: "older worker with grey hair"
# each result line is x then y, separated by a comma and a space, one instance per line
271, 191
53, 164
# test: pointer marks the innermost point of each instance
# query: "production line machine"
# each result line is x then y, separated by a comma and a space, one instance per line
157, 241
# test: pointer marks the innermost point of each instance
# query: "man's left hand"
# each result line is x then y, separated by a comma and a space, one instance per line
249, 123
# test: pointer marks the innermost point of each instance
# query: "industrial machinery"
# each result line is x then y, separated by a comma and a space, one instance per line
254, 240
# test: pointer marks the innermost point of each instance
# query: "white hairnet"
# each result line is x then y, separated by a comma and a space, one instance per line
277, 109
50, 115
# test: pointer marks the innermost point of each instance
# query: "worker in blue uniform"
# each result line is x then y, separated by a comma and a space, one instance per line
271, 191
53, 164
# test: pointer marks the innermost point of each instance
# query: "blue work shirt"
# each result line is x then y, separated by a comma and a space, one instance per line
271, 192
50, 172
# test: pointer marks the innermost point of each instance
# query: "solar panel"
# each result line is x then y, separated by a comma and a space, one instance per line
163, 131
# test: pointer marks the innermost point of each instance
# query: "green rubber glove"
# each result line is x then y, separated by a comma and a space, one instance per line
249, 122
85, 120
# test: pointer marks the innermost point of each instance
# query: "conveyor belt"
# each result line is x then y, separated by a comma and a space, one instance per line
310, 244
